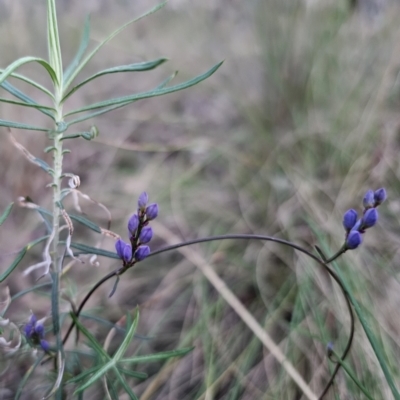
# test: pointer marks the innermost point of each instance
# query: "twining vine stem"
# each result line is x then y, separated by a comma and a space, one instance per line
323, 262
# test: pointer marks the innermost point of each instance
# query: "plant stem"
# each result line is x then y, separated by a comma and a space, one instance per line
56, 258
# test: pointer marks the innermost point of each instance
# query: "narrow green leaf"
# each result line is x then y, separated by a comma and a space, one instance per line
95, 344
94, 250
6, 213
25, 60
26, 377
84, 221
151, 93
18, 125
30, 82
143, 66
125, 385
97, 113
128, 338
14, 264
112, 389
18, 103
81, 50
133, 374
20, 256
42, 164
115, 33
156, 357
352, 375
96, 376
84, 374
106, 110
53, 40
22, 96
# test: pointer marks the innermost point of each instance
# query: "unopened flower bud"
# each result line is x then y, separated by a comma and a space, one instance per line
143, 200
44, 344
369, 219
349, 219
124, 250
379, 196
142, 252
133, 224
39, 330
368, 200
353, 240
146, 234
152, 211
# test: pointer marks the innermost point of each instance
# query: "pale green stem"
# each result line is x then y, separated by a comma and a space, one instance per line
56, 257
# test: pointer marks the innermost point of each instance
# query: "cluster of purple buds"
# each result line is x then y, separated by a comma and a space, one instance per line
34, 332
140, 233
355, 226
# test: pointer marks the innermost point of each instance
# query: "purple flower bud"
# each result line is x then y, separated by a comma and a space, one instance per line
133, 224
142, 252
143, 200
32, 319
368, 200
349, 219
379, 196
152, 211
29, 330
146, 234
124, 250
369, 219
39, 330
353, 240
44, 344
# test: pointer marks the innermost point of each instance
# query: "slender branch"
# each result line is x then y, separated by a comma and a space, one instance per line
87, 297
320, 261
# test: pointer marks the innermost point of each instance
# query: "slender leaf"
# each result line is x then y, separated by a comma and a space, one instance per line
20, 256
18, 103
25, 60
26, 377
18, 125
115, 33
31, 82
352, 375
106, 110
97, 113
96, 376
133, 374
94, 250
143, 66
156, 357
84, 374
125, 385
128, 338
94, 343
42, 164
22, 96
53, 40
151, 93
84, 221
6, 213
81, 50
112, 389
14, 264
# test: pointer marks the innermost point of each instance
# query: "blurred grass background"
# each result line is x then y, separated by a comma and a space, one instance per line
302, 118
